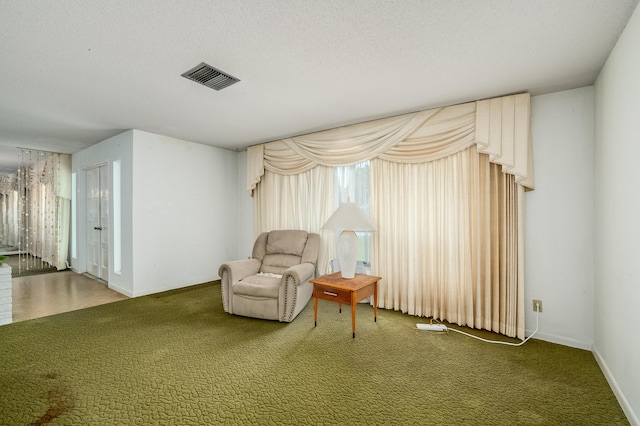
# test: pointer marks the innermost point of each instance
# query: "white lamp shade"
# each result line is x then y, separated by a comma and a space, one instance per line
349, 217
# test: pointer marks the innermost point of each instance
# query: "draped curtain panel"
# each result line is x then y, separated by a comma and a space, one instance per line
482, 219
44, 182
500, 127
302, 201
9, 209
446, 243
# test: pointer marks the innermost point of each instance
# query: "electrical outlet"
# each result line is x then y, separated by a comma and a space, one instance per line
537, 305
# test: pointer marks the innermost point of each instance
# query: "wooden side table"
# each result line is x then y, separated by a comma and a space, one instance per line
348, 291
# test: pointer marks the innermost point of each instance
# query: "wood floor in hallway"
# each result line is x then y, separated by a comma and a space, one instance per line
48, 294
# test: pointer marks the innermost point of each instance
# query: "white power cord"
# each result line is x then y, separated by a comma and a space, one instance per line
445, 328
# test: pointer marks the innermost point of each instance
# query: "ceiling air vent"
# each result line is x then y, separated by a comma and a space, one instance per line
210, 77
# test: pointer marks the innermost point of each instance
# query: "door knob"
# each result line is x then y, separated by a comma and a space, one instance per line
97, 228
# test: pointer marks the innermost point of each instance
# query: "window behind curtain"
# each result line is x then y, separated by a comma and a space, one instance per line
352, 185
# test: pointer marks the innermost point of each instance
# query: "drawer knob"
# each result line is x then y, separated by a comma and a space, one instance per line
328, 293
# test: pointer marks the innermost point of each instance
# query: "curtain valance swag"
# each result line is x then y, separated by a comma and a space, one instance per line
500, 127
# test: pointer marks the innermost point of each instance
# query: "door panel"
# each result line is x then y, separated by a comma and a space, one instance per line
93, 221
104, 222
97, 222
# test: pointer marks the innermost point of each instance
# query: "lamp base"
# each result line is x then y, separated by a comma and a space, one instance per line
348, 254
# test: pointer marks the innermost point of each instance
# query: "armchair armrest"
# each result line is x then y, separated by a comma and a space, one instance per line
239, 269
300, 273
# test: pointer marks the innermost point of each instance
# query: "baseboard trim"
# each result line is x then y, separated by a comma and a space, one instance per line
622, 399
120, 290
560, 340
148, 292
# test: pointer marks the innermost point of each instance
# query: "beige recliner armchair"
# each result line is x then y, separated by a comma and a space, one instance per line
274, 283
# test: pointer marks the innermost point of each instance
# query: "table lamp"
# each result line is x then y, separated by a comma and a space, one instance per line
348, 218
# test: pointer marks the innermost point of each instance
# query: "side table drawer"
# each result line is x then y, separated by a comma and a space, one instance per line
334, 294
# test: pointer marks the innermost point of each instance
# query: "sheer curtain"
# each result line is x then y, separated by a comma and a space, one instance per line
352, 184
303, 201
8, 210
473, 273
44, 185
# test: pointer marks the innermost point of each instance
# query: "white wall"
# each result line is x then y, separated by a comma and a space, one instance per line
184, 212
617, 196
246, 237
119, 147
179, 219
559, 218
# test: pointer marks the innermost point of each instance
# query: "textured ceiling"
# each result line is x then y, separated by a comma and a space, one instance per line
75, 72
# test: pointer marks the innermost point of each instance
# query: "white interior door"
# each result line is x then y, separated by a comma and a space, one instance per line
97, 222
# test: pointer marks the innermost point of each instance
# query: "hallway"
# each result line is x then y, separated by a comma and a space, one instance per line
53, 293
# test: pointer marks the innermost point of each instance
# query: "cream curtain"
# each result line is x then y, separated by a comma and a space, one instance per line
500, 127
446, 243
302, 201
474, 238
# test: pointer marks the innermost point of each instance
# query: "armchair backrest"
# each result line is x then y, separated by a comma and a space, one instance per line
280, 250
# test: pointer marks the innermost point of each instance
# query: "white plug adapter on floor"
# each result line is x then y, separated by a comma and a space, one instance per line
432, 327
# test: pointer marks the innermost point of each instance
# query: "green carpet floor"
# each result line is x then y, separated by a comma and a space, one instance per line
176, 358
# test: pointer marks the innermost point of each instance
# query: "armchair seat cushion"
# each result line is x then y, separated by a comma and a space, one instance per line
259, 286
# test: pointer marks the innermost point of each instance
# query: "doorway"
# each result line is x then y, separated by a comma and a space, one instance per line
97, 222
35, 211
